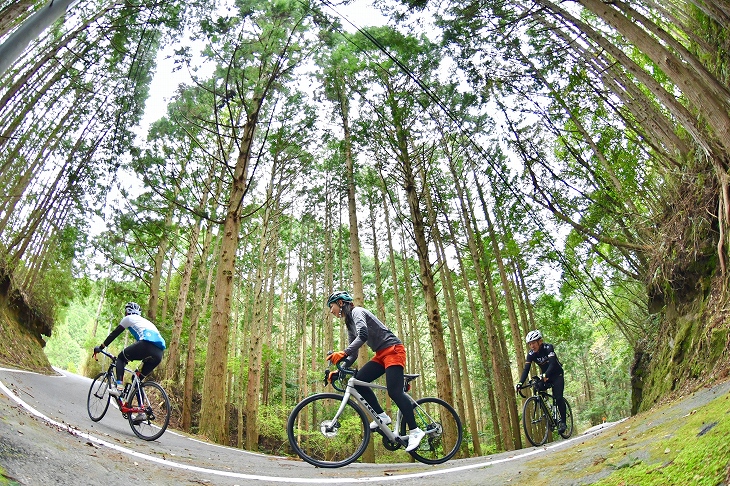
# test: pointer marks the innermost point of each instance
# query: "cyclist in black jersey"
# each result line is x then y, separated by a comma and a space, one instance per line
543, 354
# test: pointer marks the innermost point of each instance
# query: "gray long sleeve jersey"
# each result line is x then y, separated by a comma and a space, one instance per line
366, 328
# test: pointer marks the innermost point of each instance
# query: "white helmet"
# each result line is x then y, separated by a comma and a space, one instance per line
533, 336
132, 308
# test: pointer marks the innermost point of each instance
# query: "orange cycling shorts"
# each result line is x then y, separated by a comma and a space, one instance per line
391, 356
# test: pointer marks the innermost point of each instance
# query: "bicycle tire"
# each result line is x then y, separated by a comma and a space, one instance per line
444, 431
97, 402
308, 436
535, 421
156, 403
568, 421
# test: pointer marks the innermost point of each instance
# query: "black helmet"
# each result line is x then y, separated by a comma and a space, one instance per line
132, 308
339, 295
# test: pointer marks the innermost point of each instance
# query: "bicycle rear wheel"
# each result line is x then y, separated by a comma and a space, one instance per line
152, 423
443, 428
535, 421
318, 440
568, 421
97, 402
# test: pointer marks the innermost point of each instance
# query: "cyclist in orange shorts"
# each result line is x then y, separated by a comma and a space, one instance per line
389, 360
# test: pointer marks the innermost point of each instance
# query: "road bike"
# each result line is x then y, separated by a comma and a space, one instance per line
333, 429
540, 415
144, 403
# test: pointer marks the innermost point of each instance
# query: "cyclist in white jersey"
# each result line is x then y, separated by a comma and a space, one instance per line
148, 347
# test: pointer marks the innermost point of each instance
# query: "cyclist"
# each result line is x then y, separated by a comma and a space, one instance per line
148, 347
390, 359
543, 354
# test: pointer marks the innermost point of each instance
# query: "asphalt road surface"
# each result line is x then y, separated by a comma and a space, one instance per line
47, 437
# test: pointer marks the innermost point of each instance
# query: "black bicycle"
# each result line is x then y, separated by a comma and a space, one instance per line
540, 415
144, 403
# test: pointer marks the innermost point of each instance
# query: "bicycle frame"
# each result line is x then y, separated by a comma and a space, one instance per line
350, 391
547, 401
135, 389
548, 405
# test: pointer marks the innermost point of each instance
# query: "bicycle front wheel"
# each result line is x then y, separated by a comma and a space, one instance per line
97, 402
443, 428
568, 421
535, 421
322, 441
152, 423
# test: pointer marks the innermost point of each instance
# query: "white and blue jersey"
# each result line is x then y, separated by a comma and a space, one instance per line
140, 328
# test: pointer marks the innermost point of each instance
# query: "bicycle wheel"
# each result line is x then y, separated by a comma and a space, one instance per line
444, 431
568, 421
97, 402
318, 440
152, 423
535, 421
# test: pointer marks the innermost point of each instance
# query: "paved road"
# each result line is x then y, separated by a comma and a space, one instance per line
61, 401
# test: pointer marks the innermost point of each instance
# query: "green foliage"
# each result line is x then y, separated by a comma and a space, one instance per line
272, 423
68, 347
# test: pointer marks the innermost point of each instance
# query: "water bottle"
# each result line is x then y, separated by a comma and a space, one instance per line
125, 393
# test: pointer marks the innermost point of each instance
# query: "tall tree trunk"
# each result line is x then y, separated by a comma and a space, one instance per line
481, 341
17, 42
172, 365
10, 14
268, 247
435, 327
393, 269
156, 277
463, 382
495, 352
506, 287
358, 295
200, 302
213, 407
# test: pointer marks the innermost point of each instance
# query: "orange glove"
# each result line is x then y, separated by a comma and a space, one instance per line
332, 376
337, 356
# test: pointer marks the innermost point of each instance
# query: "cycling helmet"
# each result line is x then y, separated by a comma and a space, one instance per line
132, 308
533, 336
339, 295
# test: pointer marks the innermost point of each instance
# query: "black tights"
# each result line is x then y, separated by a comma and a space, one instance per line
558, 385
147, 352
394, 381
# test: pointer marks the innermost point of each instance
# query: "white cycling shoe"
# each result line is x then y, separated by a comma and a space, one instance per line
383, 417
414, 439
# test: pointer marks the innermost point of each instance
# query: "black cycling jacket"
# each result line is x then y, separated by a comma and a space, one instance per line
546, 359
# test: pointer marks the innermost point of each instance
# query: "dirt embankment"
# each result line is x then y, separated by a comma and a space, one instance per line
22, 345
